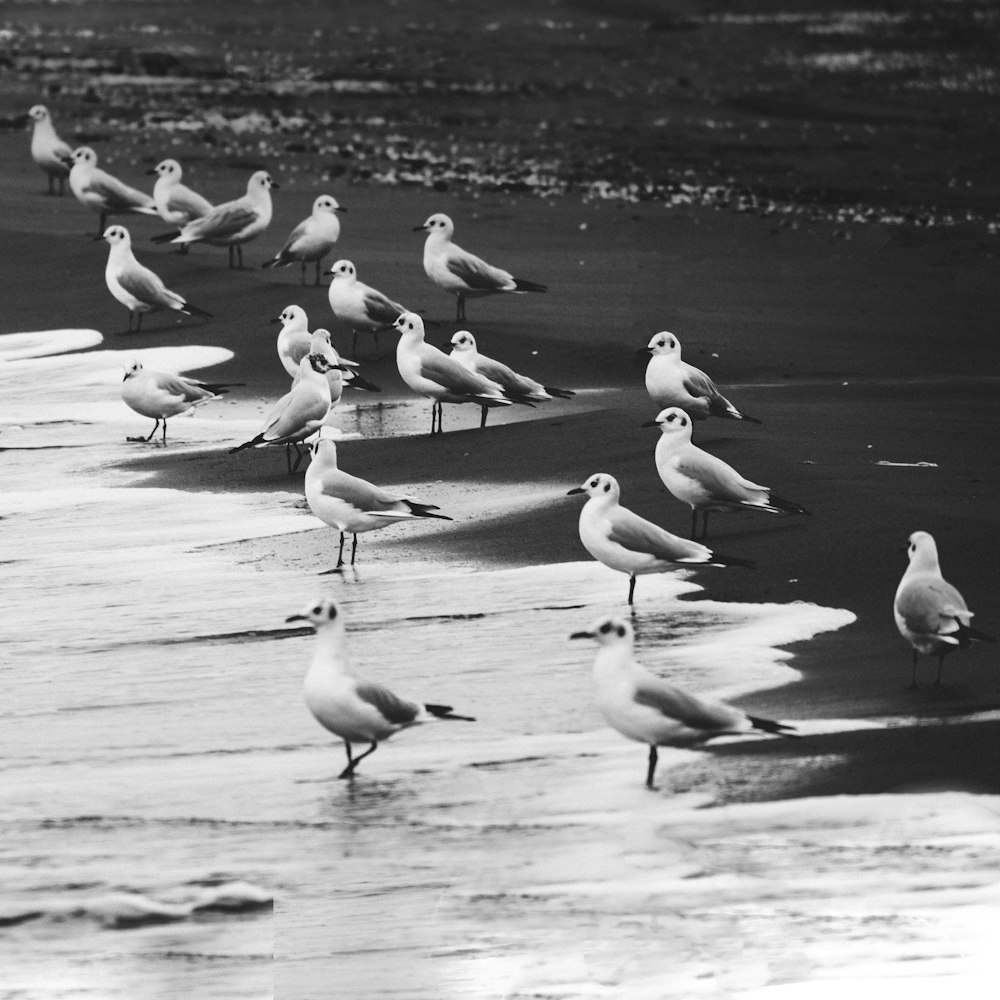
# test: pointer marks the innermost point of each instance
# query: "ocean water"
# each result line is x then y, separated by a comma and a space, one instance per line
171, 823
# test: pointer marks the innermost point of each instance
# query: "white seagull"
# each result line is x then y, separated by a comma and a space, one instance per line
312, 239
343, 702
703, 481
516, 387
673, 382
463, 274
649, 710
930, 613
175, 202
159, 395
101, 192
359, 306
430, 372
232, 223
355, 505
294, 338
622, 540
299, 413
48, 150
135, 286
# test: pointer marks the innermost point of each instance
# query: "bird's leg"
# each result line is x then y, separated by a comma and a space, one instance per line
348, 771
317, 281
239, 254
288, 458
631, 587
694, 523
299, 455
354, 548
103, 223
302, 277
460, 308
156, 427
937, 680
164, 432
913, 678
138, 322
230, 255
704, 525
340, 554
651, 770
482, 422
52, 185
62, 185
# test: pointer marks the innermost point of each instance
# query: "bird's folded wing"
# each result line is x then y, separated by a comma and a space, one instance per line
639, 535
722, 481
930, 607
116, 194
684, 707
222, 221
359, 493
506, 377
179, 386
446, 372
183, 199
380, 309
698, 384
397, 710
477, 274
146, 286
294, 411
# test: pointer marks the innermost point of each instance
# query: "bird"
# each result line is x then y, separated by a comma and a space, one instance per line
343, 702
463, 274
232, 223
135, 286
101, 192
294, 338
930, 613
48, 150
355, 505
298, 414
517, 387
430, 372
312, 239
159, 395
175, 202
703, 481
357, 305
673, 382
647, 709
622, 540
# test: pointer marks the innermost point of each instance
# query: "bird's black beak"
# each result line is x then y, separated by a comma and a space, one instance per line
68, 160
149, 173
340, 208
296, 618
99, 237
643, 352
582, 635
574, 491
275, 319
651, 423
417, 229
275, 186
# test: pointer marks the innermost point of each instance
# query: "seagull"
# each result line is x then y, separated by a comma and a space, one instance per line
430, 372
135, 286
649, 710
105, 194
673, 382
930, 613
48, 150
175, 202
348, 503
299, 413
516, 387
357, 305
159, 395
705, 482
463, 274
232, 223
312, 239
622, 540
294, 338
355, 709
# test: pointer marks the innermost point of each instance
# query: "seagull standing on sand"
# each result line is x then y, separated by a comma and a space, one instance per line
355, 709
298, 414
101, 192
703, 481
930, 613
622, 540
463, 274
232, 223
357, 305
354, 505
673, 382
175, 202
135, 286
516, 387
159, 395
648, 710
48, 150
312, 239
433, 374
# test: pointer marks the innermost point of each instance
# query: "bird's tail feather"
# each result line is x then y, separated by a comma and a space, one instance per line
362, 383
719, 560
967, 635
166, 237
523, 285
786, 506
777, 728
195, 311
425, 510
740, 415
492, 400
561, 393
247, 444
220, 388
445, 712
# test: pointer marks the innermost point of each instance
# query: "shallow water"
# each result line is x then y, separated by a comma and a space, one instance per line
171, 822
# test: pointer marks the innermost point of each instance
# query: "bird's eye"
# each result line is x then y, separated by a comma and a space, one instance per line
670, 419
593, 484
318, 610
684, 422
605, 628
607, 487
333, 612
621, 631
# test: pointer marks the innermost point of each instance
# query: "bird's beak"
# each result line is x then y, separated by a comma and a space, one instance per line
418, 229
68, 160
275, 319
574, 491
125, 377
446, 345
101, 237
582, 635
296, 618
651, 423
149, 173
275, 186
340, 208
643, 352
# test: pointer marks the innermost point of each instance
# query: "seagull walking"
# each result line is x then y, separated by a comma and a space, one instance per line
175, 202
430, 372
298, 414
103, 193
359, 306
159, 395
343, 702
461, 273
930, 613
647, 709
516, 387
354, 505
48, 151
135, 286
312, 239
703, 481
624, 541
673, 382
232, 223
